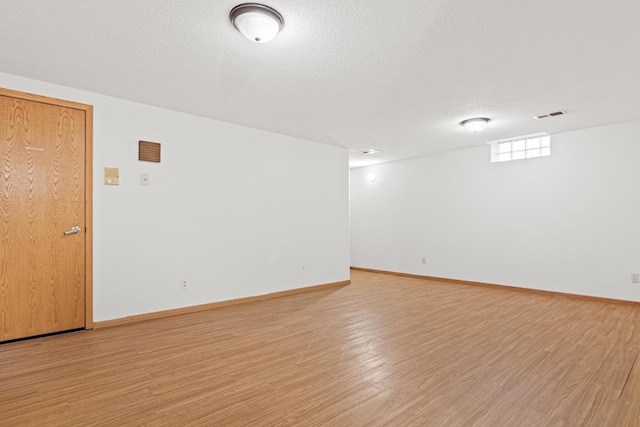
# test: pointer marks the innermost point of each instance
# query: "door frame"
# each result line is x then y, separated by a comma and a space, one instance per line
88, 189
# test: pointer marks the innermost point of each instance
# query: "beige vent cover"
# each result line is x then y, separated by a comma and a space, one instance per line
149, 151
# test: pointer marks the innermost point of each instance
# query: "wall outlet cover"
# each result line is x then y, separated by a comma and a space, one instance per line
111, 176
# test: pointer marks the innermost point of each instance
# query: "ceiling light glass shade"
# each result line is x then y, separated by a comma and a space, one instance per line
371, 177
475, 125
257, 22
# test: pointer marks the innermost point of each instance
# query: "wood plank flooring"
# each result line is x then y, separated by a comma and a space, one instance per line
384, 351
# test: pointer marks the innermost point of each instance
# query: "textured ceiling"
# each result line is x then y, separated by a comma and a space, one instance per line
395, 75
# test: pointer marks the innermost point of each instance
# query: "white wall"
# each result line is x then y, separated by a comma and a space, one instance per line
567, 223
235, 211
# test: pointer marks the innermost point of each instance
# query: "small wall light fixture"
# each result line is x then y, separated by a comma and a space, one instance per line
257, 22
475, 125
371, 177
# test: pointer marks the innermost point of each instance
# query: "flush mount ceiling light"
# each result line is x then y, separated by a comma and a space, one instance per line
257, 22
475, 125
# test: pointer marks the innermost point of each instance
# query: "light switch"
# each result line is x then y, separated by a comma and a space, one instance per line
144, 179
111, 176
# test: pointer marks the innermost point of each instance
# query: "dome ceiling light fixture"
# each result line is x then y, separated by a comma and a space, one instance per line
476, 124
257, 22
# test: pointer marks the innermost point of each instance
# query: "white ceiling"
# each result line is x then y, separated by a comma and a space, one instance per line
395, 75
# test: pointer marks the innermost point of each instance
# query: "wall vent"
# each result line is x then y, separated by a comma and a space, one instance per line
149, 151
547, 115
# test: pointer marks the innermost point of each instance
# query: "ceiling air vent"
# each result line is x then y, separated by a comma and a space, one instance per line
546, 116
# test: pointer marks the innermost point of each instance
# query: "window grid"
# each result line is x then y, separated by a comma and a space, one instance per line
528, 147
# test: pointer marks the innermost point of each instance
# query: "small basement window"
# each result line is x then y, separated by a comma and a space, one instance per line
522, 147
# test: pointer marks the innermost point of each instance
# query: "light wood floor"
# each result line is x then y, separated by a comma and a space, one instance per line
384, 351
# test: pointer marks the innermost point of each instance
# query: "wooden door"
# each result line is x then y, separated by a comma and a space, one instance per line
43, 192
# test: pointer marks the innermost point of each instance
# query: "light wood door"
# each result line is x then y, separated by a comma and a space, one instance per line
42, 270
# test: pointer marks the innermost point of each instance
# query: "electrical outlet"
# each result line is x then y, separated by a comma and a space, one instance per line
183, 285
424, 260
635, 277
304, 268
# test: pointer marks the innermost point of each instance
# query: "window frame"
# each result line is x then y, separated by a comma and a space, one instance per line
521, 148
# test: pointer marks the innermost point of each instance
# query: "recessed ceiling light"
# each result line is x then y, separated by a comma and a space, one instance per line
257, 22
476, 124
370, 151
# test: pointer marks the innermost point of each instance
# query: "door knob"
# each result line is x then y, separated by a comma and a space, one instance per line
74, 230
